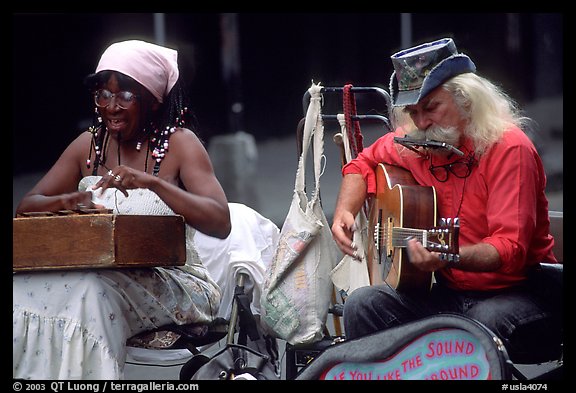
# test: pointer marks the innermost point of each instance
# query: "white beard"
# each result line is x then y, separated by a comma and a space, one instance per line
449, 135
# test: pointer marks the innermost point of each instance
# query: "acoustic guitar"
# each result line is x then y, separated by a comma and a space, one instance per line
402, 209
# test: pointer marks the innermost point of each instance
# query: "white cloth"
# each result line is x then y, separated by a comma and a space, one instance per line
74, 324
350, 273
249, 248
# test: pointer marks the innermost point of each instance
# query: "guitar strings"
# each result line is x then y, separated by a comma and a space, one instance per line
400, 237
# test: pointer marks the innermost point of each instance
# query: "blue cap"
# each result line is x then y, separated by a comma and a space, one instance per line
421, 69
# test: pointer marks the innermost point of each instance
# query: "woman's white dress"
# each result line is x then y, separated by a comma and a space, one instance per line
73, 324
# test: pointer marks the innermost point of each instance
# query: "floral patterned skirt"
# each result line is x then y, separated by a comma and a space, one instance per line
75, 324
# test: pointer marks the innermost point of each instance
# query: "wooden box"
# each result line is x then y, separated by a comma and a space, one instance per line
77, 241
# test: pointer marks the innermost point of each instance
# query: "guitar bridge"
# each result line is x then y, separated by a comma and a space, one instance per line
389, 238
376, 236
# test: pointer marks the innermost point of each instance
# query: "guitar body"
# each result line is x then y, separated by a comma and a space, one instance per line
400, 202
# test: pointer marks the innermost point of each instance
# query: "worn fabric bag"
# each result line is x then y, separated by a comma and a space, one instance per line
297, 289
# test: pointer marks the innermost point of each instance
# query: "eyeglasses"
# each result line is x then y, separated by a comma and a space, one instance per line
461, 169
103, 98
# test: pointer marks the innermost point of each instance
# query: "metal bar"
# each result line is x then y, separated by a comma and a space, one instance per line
381, 118
355, 89
234, 312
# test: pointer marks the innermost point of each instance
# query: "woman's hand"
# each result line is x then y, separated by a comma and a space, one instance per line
79, 200
123, 178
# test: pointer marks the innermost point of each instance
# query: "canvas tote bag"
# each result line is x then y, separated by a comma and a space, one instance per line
297, 289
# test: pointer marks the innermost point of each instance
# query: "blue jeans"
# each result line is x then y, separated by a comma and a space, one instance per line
524, 320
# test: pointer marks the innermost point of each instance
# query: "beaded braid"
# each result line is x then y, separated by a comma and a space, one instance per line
175, 114
98, 143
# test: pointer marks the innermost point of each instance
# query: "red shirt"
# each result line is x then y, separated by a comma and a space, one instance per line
502, 203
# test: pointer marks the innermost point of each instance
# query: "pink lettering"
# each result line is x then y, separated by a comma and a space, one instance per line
359, 375
474, 371
449, 347
413, 363
460, 346
466, 371
389, 375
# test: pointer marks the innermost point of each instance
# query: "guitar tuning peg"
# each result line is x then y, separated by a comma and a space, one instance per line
442, 222
456, 221
454, 258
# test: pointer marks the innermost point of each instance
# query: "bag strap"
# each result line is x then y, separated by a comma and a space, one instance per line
313, 133
248, 326
345, 137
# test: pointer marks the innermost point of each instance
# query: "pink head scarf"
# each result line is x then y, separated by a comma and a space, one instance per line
154, 67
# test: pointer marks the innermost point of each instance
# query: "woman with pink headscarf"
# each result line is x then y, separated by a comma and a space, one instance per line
139, 157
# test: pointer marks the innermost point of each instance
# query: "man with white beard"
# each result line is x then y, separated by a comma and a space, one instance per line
462, 136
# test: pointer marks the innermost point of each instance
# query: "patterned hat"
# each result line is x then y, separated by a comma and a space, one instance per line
419, 70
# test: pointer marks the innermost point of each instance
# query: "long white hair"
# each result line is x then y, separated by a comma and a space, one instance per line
489, 110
